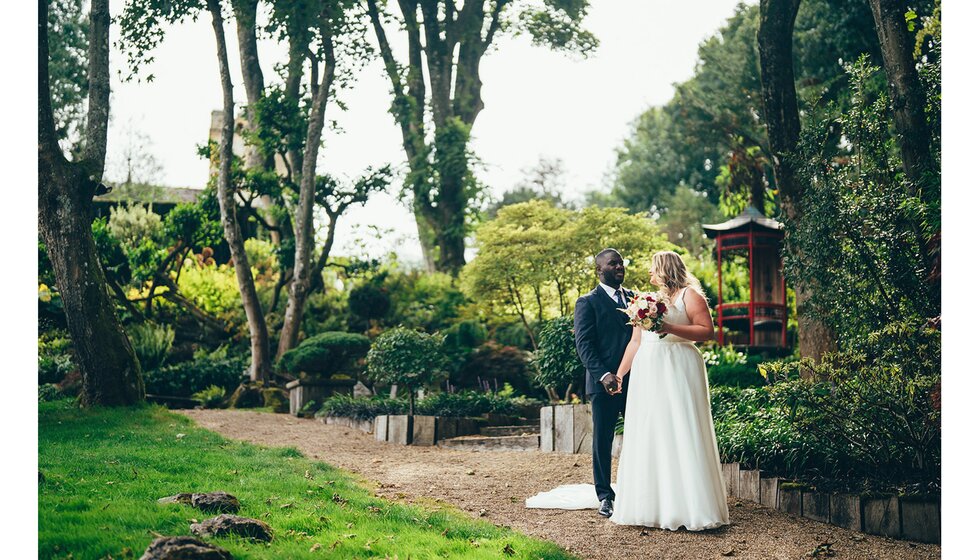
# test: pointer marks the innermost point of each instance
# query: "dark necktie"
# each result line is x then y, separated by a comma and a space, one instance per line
619, 298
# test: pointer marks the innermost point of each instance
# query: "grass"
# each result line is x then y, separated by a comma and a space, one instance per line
104, 469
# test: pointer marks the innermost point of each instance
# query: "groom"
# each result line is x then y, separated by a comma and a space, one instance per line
601, 336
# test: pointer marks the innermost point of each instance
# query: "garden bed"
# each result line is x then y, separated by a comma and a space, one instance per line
914, 518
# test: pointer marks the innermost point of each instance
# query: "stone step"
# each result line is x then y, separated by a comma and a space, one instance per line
494, 431
492, 443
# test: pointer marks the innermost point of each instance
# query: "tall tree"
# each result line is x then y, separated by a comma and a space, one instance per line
261, 367
776, 21
907, 95
110, 371
441, 85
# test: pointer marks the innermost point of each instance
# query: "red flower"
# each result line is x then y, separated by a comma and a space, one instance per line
642, 313
650, 298
661, 307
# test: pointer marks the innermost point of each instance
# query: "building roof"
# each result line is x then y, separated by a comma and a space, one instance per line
749, 219
150, 194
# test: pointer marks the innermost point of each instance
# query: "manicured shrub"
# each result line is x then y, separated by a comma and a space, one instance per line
325, 354
369, 302
407, 358
466, 403
186, 378
361, 408
558, 366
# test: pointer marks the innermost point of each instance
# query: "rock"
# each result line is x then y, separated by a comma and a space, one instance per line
245, 396
275, 398
226, 524
361, 390
215, 501
182, 498
184, 548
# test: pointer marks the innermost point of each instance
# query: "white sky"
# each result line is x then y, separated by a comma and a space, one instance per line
538, 103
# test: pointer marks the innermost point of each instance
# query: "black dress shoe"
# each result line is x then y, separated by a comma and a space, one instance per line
605, 508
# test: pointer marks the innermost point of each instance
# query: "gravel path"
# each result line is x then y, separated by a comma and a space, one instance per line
494, 484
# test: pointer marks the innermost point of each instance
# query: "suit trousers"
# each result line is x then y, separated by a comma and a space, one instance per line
606, 409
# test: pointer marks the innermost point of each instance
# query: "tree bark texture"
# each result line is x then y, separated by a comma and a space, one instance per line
300, 288
261, 365
776, 21
907, 96
110, 371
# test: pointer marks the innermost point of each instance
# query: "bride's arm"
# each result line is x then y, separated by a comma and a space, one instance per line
701, 327
627, 363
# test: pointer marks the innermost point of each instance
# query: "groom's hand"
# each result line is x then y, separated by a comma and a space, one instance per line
611, 384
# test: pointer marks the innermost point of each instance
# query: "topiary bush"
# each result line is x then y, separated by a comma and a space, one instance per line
186, 378
325, 354
408, 358
369, 302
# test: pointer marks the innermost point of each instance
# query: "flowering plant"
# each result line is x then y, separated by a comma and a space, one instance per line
646, 310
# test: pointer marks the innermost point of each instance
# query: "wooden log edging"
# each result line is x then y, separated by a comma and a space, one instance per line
902, 517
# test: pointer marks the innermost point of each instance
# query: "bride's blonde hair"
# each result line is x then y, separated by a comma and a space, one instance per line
671, 273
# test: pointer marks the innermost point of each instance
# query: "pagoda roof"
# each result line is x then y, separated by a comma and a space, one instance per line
749, 219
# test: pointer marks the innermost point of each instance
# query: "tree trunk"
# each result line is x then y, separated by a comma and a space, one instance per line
316, 282
907, 96
110, 371
261, 366
300, 288
776, 21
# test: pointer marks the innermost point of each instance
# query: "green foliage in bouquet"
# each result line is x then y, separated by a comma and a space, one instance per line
325, 354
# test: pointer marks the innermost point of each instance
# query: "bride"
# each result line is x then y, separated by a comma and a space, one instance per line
669, 471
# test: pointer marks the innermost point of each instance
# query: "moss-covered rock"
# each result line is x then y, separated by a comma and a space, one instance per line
246, 396
275, 398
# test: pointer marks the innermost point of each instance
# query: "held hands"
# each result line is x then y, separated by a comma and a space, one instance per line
618, 382
611, 384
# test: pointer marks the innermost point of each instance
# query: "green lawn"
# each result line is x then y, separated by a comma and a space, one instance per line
104, 469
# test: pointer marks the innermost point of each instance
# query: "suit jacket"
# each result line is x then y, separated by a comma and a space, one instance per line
601, 337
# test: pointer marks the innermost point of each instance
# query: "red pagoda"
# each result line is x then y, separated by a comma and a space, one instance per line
753, 240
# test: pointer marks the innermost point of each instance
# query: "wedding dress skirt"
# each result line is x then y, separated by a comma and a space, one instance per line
669, 468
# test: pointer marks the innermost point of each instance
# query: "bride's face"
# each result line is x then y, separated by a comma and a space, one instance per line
654, 276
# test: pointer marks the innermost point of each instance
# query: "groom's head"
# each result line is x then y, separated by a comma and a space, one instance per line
610, 267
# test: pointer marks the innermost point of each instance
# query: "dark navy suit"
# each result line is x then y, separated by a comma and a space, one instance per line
601, 337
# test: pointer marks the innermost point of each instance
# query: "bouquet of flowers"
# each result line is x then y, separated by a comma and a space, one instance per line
646, 310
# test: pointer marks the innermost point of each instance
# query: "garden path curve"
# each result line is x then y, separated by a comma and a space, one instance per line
493, 485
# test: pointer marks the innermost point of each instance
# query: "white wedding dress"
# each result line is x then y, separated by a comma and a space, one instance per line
669, 470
